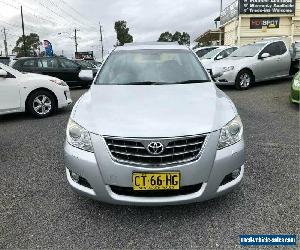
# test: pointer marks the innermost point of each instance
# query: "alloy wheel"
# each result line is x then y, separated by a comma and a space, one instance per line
42, 104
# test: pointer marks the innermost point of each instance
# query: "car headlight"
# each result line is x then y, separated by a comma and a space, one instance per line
59, 82
231, 133
228, 68
296, 83
79, 137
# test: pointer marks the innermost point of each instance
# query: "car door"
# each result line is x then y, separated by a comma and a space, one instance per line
70, 70
9, 94
50, 66
270, 67
29, 65
283, 59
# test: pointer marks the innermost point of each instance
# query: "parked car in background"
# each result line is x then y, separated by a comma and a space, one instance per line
201, 51
5, 60
86, 64
154, 130
295, 89
60, 67
216, 55
264, 60
39, 95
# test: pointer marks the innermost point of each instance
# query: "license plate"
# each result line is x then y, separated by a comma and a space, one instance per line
156, 181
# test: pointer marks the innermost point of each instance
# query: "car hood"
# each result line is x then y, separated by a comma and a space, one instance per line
153, 111
29, 76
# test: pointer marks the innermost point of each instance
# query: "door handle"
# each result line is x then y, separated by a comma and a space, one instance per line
278, 59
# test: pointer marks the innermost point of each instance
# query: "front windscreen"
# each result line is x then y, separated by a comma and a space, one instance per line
212, 54
151, 66
248, 50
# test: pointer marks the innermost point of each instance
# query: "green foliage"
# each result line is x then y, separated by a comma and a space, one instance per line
165, 37
32, 43
183, 38
122, 31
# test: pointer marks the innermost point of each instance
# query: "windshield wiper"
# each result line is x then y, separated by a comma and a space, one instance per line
144, 83
190, 81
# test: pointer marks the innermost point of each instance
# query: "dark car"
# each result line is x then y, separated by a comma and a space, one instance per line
87, 65
60, 67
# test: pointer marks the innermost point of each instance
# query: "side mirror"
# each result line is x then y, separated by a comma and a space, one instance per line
3, 73
219, 57
264, 55
86, 75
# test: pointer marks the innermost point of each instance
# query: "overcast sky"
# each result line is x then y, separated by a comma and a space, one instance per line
147, 19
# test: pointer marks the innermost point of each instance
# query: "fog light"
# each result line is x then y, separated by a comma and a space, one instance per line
75, 177
235, 174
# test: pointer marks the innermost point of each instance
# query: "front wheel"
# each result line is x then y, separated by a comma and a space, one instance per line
41, 104
244, 80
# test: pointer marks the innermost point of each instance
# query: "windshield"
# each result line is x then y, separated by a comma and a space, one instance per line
151, 66
212, 54
248, 50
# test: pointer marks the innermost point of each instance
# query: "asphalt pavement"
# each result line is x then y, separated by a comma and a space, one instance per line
38, 209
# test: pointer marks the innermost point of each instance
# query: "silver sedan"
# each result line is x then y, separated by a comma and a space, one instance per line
154, 130
264, 60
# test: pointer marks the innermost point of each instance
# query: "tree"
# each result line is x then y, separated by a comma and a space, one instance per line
176, 37
183, 38
165, 37
32, 43
122, 31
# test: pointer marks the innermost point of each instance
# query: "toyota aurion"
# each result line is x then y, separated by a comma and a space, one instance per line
154, 130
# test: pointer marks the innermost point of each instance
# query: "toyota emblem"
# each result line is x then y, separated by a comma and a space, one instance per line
155, 148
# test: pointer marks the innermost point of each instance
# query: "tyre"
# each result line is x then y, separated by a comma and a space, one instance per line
41, 104
244, 80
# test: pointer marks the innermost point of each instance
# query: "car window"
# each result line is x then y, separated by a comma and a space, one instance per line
282, 47
158, 66
29, 63
68, 64
200, 53
49, 62
275, 49
249, 50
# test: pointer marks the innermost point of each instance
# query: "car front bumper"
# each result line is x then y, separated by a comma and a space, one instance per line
102, 173
227, 78
63, 97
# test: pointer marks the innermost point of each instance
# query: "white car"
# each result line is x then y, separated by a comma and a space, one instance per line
216, 55
40, 95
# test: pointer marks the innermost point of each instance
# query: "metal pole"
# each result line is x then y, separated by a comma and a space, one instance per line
76, 44
220, 33
101, 40
24, 43
5, 42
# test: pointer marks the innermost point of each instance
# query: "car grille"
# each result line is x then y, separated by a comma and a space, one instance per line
176, 150
128, 191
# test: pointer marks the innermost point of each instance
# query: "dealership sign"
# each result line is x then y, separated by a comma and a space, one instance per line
87, 55
267, 6
269, 22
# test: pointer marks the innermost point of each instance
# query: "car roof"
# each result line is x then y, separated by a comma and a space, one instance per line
152, 45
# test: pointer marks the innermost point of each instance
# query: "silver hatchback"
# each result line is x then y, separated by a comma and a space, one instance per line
154, 130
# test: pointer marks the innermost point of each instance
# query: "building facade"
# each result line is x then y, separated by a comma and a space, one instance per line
247, 21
